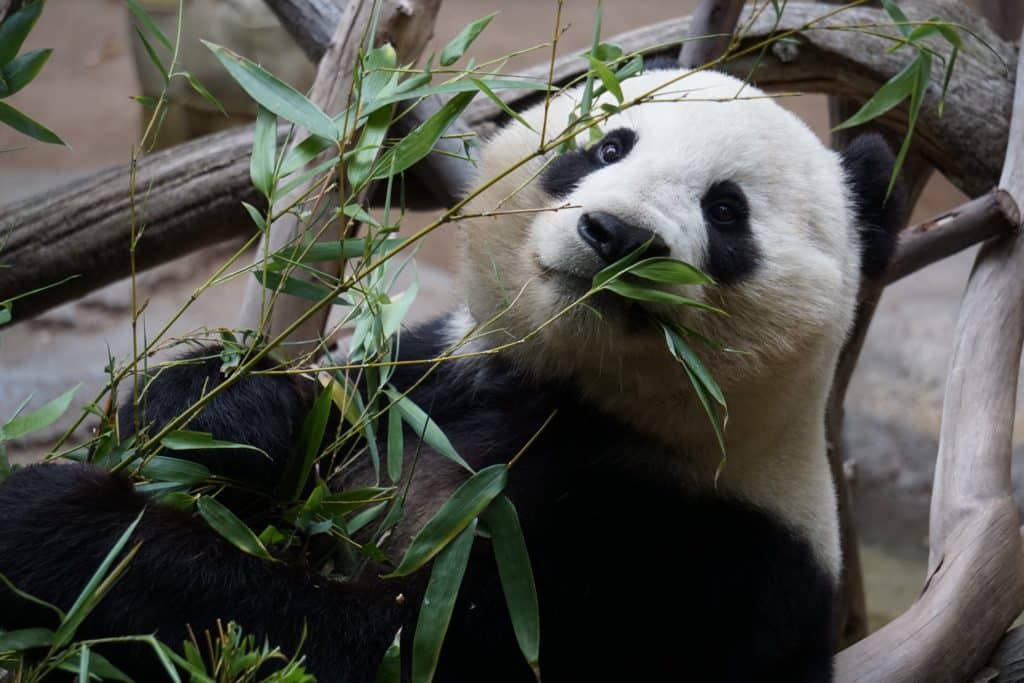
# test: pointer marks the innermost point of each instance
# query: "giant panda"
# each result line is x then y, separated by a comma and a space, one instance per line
655, 559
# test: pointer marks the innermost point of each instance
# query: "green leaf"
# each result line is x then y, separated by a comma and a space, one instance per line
25, 639
606, 52
22, 70
225, 523
302, 153
390, 669
304, 452
187, 440
392, 314
670, 271
922, 77
516, 575
5, 312
256, 216
39, 418
102, 580
611, 83
154, 58
439, 603
468, 501
897, 89
368, 147
162, 468
354, 247
630, 68
639, 293
143, 16
203, 92
264, 152
396, 445
88, 664
23, 124
685, 354
421, 140
274, 94
424, 427
15, 29
460, 43
897, 15
459, 86
296, 287
614, 270
493, 97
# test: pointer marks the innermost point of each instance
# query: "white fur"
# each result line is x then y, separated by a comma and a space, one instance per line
790, 316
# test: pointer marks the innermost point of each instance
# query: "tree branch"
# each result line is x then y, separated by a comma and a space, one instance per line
975, 587
711, 29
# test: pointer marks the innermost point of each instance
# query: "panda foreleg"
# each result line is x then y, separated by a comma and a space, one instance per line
59, 522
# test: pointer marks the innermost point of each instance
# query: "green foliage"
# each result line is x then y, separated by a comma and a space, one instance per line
18, 71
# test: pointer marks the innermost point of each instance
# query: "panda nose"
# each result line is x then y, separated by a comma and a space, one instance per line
612, 239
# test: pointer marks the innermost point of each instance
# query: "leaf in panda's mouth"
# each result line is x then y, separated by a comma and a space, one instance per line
629, 277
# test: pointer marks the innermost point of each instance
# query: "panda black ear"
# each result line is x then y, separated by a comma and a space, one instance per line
868, 161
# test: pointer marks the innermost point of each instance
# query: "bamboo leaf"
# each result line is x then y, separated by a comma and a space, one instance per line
25, 639
143, 16
421, 140
296, 287
611, 83
424, 427
39, 418
256, 216
154, 58
23, 124
16, 28
274, 94
493, 97
354, 247
225, 523
187, 440
264, 152
468, 501
304, 453
460, 86
897, 89
366, 151
20, 72
166, 469
516, 574
201, 90
897, 16
396, 445
460, 43
101, 581
685, 354
640, 293
669, 271
439, 603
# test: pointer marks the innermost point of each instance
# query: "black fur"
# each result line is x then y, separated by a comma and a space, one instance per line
568, 170
868, 162
636, 580
260, 410
732, 250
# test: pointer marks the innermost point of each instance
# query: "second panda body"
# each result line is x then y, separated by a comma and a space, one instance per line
654, 558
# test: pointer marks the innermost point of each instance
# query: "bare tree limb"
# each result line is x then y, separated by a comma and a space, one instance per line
713, 23
309, 22
987, 216
407, 25
190, 197
1005, 16
975, 587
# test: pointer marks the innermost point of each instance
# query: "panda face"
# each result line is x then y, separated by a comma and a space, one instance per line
706, 171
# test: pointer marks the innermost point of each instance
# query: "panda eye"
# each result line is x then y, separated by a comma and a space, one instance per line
723, 213
609, 152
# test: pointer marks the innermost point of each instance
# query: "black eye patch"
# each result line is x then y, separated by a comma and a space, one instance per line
565, 173
732, 250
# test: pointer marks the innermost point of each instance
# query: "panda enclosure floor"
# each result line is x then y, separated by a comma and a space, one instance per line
894, 401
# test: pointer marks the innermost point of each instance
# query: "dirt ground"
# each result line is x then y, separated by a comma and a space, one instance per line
83, 94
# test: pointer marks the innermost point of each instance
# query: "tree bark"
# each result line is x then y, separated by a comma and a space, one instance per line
711, 31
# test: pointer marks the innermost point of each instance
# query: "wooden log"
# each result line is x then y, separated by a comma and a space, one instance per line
975, 585
711, 31
974, 127
189, 197
407, 25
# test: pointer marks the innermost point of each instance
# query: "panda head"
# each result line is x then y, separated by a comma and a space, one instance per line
705, 170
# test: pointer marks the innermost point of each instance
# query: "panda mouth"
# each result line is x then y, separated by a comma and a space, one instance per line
572, 286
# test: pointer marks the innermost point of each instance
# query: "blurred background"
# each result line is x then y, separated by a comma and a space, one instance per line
894, 402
